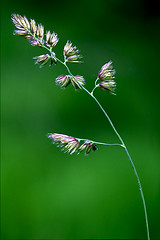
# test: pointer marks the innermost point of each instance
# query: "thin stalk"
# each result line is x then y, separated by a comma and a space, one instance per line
106, 116
100, 143
94, 89
141, 191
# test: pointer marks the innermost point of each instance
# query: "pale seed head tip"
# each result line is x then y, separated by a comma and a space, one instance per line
40, 31
21, 23
69, 144
33, 26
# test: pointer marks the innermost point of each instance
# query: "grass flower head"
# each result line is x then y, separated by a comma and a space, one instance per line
42, 59
51, 39
106, 76
70, 144
71, 53
108, 86
65, 80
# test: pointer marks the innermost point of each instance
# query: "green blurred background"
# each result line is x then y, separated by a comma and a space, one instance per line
47, 194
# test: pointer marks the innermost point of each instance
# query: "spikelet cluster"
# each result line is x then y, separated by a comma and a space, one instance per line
106, 76
87, 146
71, 145
71, 53
43, 59
76, 81
35, 34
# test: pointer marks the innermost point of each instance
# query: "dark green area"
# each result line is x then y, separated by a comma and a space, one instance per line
47, 194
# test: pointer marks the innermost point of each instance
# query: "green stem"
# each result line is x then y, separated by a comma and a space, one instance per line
106, 116
100, 143
94, 89
141, 191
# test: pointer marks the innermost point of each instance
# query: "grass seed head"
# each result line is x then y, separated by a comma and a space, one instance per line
42, 59
71, 53
71, 144
108, 86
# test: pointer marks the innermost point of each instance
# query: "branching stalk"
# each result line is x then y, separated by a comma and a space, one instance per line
119, 137
122, 143
35, 34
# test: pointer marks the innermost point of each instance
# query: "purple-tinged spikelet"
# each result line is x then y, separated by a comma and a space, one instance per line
42, 59
34, 33
35, 43
106, 75
26, 29
33, 26
65, 80
87, 146
108, 86
21, 32
20, 22
40, 31
77, 81
107, 72
71, 53
26, 23
70, 144
51, 39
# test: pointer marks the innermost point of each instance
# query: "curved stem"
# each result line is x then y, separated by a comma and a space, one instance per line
96, 81
94, 89
106, 116
141, 191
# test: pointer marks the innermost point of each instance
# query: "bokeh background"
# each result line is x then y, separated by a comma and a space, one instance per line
47, 194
